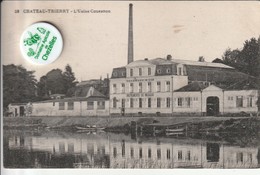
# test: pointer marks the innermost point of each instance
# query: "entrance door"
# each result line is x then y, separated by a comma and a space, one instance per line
212, 106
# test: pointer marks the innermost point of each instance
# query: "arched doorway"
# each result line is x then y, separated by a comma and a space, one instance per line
212, 106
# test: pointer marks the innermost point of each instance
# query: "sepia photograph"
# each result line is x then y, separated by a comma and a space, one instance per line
130, 85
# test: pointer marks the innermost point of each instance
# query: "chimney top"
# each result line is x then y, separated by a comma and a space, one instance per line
146, 59
169, 57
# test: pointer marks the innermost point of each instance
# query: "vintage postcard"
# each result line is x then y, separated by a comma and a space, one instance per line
156, 86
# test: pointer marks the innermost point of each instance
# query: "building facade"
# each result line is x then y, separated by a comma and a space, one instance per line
168, 86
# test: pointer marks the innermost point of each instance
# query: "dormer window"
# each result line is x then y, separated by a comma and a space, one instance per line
159, 71
123, 74
168, 70
115, 74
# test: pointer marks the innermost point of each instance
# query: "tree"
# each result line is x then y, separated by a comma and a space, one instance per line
250, 58
57, 82
246, 60
19, 85
69, 79
52, 83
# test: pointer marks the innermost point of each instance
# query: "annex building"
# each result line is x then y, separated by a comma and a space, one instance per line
170, 86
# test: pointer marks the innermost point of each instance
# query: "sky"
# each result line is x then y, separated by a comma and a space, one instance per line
95, 43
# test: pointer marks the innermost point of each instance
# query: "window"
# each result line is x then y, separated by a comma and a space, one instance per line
159, 71
132, 152
131, 87
140, 153
230, 98
114, 88
115, 74
70, 105
188, 155
149, 86
114, 102
158, 102
149, 102
114, 152
131, 72
179, 71
179, 155
123, 87
168, 154
61, 105
53, 104
90, 105
158, 86
149, 71
131, 103
168, 84
149, 153
101, 105
168, 70
249, 101
188, 101
179, 102
168, 102
239, 101
239, 157
140, 102
158, 153
140, 71
195, 99
123, 103
140, 87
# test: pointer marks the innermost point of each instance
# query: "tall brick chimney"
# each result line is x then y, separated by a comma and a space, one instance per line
130, 54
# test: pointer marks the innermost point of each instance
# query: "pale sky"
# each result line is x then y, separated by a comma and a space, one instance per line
96, 43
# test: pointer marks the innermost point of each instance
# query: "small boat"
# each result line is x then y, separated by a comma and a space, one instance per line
89, 128
175, 130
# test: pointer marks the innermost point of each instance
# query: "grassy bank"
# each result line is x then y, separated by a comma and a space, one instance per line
106, 122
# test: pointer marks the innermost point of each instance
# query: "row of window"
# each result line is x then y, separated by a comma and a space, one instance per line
141, 87
240, 101
181, 102
90, 105
158, 153
148, 71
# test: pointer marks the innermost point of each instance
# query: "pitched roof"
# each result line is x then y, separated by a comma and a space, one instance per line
248, 84
195, 86
73, 99
83, 91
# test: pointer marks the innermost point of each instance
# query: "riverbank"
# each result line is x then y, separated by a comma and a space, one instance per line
112, 122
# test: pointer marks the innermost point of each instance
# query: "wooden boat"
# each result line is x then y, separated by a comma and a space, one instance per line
89, 128
175, 130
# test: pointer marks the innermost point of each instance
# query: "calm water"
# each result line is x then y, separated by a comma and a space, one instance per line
49, 149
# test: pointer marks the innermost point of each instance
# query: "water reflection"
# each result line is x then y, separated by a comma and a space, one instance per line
107, 150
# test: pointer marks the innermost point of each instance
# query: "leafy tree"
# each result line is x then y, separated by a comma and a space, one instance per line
19, 85
246, 60
69, 80
57, 82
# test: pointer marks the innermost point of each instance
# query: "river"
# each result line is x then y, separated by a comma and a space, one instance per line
57, 149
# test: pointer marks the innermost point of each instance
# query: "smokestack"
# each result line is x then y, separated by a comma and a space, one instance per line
130, 54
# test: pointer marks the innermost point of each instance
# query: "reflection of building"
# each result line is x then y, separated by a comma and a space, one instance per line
93, 150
